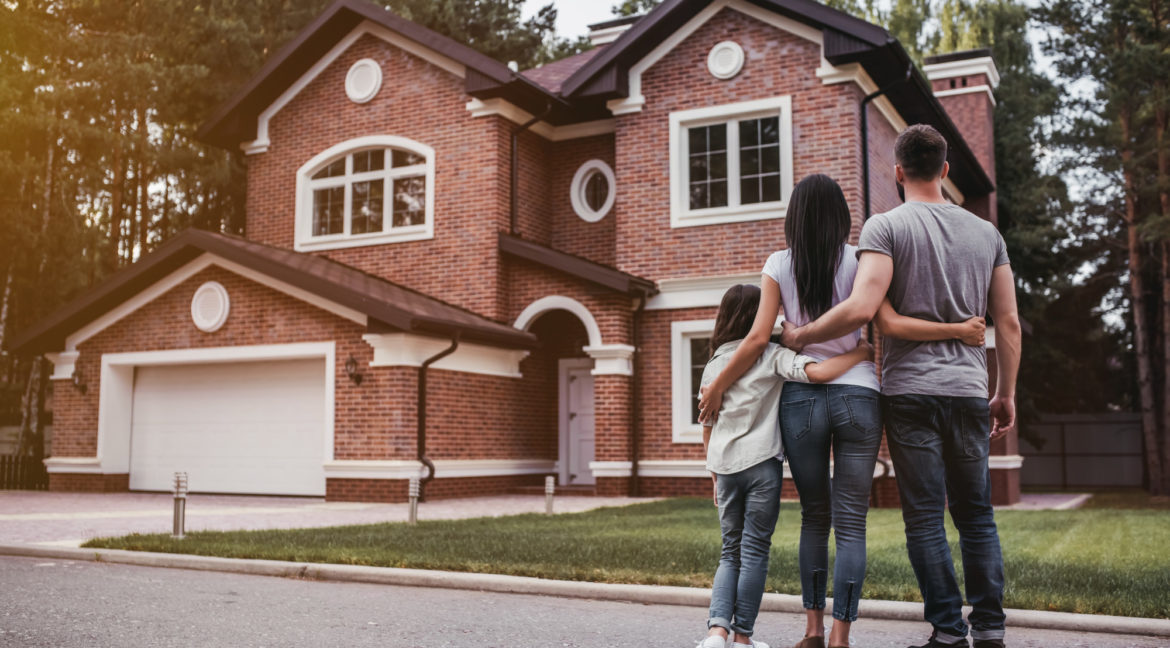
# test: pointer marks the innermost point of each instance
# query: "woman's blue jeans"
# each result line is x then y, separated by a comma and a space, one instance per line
749, 503
846, 419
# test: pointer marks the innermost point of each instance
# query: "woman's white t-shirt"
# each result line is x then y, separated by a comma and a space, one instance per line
779, 268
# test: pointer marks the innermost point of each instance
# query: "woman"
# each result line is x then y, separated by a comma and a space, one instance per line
808, 279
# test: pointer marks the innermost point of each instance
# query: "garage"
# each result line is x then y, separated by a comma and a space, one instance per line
255, 427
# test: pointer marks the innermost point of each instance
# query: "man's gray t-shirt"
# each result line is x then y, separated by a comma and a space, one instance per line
943, 257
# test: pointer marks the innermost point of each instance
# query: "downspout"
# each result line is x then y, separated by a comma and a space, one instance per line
867, 209
515, 180
422, 414
635, 419
865, 136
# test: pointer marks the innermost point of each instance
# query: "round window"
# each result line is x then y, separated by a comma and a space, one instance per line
592, 192
210, 306
725, 60
363, 80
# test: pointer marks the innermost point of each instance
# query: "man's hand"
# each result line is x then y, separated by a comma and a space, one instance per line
709, 403
788, 336
715, 490
972, 331
1003, 415
863, 343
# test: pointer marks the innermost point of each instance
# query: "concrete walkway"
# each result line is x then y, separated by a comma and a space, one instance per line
69, 519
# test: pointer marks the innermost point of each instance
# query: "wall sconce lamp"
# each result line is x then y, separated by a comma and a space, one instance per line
351, 370
79, 383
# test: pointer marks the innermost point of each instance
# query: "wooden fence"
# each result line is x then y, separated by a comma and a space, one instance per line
23, 473
1085, 450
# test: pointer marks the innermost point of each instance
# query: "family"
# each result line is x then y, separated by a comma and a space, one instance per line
925, 273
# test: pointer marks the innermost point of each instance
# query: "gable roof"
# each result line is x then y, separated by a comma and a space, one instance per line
388, 305
580, 267
552, 76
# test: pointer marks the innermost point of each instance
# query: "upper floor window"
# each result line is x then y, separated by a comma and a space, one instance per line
366, 191
731, 163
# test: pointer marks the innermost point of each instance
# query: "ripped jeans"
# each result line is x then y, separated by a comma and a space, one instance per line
846, 419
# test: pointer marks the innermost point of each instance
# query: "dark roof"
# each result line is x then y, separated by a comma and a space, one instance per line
579, 267
388, 305
982, 52
616, 22
551, 76
846, 40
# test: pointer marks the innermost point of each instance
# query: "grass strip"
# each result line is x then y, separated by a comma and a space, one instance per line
1086, 561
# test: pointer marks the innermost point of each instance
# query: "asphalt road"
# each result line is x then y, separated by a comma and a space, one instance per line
66, 604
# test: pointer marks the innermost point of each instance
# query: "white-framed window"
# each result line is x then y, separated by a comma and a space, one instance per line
731, 163
688, 349
593, 190
366, 191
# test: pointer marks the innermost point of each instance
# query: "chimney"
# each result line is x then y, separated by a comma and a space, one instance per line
607, 32
964, 83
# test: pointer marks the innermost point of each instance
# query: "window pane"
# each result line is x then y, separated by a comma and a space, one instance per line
718, 166
749, 190
770, 130
367, 207
596, 190
770, 159
369, 161
770, 188
698, 362
328, 211
717, 135
718, 192
335, 168
699, 198
749, 132
749, 161
410, 199
406, 158
697, 138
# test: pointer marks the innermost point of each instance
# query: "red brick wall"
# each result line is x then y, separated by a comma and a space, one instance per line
421, 102
655, 387
825, 122
973, 115
570, 233
883, 184
527, 282
396, 490
89, 483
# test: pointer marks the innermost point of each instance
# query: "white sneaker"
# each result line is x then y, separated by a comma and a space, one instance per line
713, 641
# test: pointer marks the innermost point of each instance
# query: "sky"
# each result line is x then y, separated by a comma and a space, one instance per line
574, 16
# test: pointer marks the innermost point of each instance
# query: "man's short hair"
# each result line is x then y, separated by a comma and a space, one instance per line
921, 151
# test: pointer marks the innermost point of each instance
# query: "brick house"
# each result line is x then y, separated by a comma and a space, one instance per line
458, 270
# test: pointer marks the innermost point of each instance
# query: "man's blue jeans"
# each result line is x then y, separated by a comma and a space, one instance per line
940, 445
749, 503
847, 420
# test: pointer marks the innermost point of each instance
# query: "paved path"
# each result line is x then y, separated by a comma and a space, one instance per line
68, 519
66, 604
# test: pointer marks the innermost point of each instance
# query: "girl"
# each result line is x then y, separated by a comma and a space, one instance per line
809, 278
744, 456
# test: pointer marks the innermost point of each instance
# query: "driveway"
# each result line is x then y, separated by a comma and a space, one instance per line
68, 519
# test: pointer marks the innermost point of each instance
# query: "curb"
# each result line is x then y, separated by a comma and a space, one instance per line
646, 594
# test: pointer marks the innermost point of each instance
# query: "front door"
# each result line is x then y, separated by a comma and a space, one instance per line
576, 415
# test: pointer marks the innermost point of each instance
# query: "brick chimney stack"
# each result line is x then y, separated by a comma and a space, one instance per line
964, 83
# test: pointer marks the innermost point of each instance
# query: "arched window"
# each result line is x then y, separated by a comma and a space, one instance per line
366, 191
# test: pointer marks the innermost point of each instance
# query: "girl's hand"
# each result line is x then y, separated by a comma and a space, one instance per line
972, 331
863, 343
709, 403
715, 490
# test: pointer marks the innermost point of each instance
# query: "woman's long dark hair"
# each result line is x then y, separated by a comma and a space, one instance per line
815, 228
737, 311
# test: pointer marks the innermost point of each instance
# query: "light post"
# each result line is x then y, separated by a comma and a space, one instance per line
180, 504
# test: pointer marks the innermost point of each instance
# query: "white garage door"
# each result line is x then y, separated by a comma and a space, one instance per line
247, 427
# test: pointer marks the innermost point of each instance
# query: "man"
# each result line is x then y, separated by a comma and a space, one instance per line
939, 262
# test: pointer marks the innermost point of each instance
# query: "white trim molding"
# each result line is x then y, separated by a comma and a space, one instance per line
696, 292
211, 295
517, 115
559, 302
634, 100
607, 35
968, 90
363, 80
117, 389
1005, 462
305, 241
409, 350
262, 142
64, 363
611, 359
580, 201
444, 468
681, 214
964, 67
725, 60
611, 468
683, 430
84, 465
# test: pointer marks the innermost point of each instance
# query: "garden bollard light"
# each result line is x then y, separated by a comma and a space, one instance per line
414, 489
550, 488
180, 504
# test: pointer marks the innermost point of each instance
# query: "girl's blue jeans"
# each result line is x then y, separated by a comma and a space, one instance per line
845, 419
749, 503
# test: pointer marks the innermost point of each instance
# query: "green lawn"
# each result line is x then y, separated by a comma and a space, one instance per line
1095, 561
